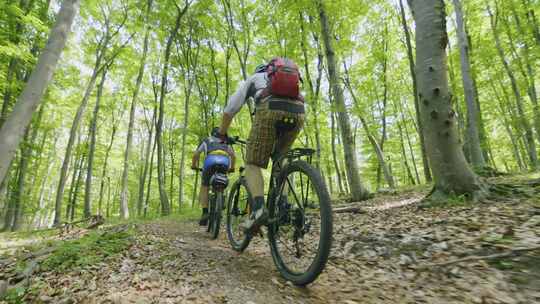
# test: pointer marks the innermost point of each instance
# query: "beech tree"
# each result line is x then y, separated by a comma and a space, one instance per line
451, 172
11, 132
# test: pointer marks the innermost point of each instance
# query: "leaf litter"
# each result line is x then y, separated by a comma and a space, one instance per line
392, 252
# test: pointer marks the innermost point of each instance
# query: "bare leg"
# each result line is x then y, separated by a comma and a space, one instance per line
203, 197
255, 180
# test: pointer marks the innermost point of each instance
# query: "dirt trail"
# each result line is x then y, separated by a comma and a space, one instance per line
377, 258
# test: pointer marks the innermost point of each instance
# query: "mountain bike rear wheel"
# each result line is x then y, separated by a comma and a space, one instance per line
300, 229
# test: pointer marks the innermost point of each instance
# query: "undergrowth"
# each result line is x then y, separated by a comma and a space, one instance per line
87, 250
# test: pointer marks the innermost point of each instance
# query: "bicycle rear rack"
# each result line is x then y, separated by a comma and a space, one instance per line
298, 153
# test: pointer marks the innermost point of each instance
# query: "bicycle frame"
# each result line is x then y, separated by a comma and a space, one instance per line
277, 163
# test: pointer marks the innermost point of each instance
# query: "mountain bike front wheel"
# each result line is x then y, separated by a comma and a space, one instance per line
300, 229
237, 212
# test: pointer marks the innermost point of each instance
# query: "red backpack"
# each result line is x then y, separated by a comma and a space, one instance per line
283, 79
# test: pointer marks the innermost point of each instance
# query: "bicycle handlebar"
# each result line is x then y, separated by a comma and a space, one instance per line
235, 140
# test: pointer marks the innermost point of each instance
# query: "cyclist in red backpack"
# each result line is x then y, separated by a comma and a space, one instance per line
279, 107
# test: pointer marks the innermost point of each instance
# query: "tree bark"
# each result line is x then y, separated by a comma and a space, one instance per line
142, 181
410, 56
78, 182
358, 191
473, 137
92, 148
104, 168
451, 172
334, 152
147, 200
404, 155
76, 163
187, 92
13, 129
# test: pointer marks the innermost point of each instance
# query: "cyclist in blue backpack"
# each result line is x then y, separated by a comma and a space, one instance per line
217, 152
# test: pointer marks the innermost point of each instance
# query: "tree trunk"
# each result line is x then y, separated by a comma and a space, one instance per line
508, 125
472, 133
410, 56
76, 189
124, 209
165, 207
530, 74
187, 92
172, 158
71, 141
451, 172
334, 152
404, 155
77, 164
142, 181
13, 129
16, 196
314, 88
147, 201
531, 19
358, 191
104, 169
531, 145
376, 146
8, 90
457, 102
92, 148
17, 32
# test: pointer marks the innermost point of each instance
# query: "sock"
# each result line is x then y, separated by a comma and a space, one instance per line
258, 202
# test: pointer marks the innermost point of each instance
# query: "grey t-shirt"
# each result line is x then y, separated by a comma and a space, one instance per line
252, 87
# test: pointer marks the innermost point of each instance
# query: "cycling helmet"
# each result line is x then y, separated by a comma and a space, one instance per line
215, 132
260, 68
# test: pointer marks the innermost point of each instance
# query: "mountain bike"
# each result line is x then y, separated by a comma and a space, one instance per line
216, 198
299, 227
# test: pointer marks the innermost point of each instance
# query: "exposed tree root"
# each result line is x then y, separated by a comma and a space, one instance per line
437, 197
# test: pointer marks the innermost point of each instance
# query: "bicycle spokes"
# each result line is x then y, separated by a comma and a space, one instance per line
298, 222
